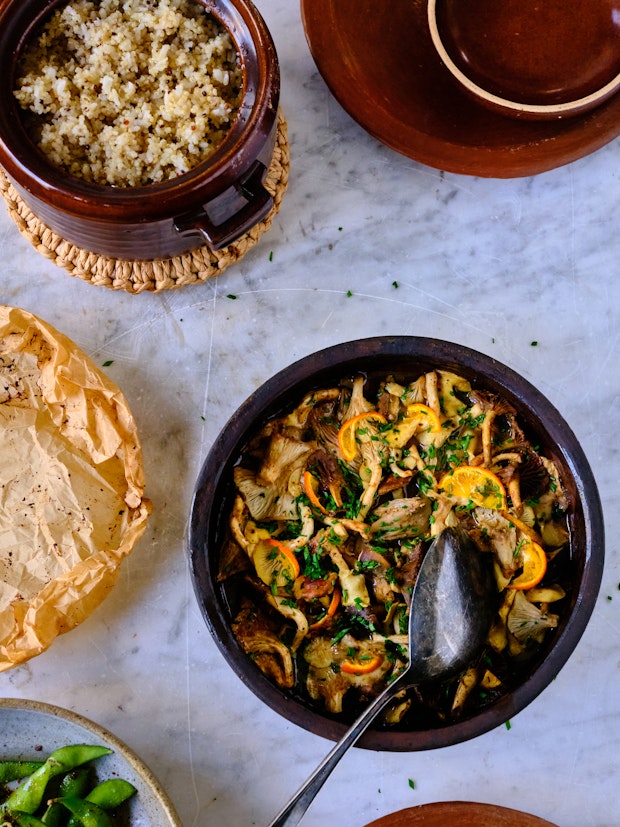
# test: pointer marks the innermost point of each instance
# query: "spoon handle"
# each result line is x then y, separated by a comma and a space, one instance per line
293, 812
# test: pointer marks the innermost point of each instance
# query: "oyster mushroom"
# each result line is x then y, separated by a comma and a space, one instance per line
526, 621
370, 472
283, 456
379, 572
491, 406
326, 680
309, 405
357, 402
260, 640
498, 534
401, 518
409, 563
290, 612
467, 683
325, 466
271, 492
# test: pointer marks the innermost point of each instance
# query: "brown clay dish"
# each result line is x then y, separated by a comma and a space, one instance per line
529, 59
390, 79
214, 204
459, 814
409, 357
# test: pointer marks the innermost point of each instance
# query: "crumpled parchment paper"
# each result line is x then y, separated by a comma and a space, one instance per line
71, 485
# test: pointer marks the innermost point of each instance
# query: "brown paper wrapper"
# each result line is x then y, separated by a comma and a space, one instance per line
71, 485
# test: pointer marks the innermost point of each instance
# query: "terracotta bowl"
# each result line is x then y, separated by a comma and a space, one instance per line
459, 814
405, 357
213, 204
528, 59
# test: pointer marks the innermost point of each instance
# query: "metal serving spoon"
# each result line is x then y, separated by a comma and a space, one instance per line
451, 611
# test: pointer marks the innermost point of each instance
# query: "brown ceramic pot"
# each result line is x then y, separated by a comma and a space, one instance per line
214, 204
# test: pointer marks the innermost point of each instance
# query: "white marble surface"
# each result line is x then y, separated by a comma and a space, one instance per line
492, 264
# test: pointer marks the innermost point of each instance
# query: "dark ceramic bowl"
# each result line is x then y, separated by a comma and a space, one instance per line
407, 357
528, 59
214, 203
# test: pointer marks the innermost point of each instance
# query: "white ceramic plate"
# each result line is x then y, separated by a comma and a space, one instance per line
30, 730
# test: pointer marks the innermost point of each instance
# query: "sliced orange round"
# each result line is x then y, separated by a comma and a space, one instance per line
361, 664
475, 483
347, 435
311, 488
275, 563
534, 566
331, 611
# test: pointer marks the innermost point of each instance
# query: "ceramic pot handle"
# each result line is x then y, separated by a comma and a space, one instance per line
258, 203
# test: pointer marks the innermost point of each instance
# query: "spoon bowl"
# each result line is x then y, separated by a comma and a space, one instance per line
452, 607
451, 610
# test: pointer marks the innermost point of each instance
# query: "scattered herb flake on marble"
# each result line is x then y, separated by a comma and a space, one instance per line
534, 344
231, 296
508, 725
271, 255
412, 783
349, 294
395, 284
108, 362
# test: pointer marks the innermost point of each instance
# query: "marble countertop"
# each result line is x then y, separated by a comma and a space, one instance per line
367, 243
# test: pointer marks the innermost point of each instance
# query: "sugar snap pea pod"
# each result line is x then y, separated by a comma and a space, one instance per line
55, 815
86, 813
28, 796
76, 783
16, 770
108, 795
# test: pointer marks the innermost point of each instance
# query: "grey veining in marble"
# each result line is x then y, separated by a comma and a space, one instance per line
367, 243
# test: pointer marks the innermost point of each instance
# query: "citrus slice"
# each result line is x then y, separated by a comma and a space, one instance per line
331, 611
534, 566
311, 488
275, 563
361, 664
347, 435
472, 482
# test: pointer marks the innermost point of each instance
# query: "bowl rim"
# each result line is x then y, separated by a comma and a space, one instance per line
277, 394
513, 107
111, 740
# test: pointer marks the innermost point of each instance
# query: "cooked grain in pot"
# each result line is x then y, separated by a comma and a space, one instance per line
129, 92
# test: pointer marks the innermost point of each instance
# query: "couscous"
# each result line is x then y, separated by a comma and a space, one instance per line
129, 92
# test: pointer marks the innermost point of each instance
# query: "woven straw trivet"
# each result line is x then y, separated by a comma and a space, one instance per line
160, 274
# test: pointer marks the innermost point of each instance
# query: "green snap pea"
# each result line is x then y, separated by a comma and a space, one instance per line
55, 815
16, 770
76, 783
28, 796
108, 795
86, 813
